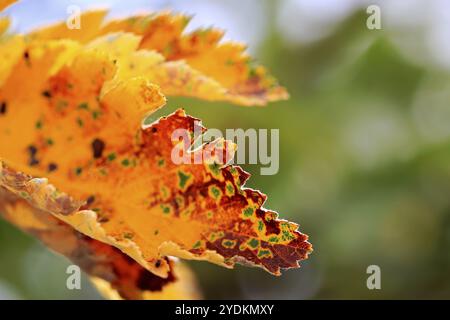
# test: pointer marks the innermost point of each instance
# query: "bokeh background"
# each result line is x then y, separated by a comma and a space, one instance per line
364, 146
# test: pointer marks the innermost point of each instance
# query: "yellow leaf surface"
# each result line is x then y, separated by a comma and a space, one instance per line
90, 22
174, 77
225, 64
4, 25
11, 50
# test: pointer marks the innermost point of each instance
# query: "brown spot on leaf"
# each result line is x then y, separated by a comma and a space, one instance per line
97, 148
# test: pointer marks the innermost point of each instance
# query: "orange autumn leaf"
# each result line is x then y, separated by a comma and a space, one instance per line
73, 146
225, 62
91, 23
173, 77
224, 65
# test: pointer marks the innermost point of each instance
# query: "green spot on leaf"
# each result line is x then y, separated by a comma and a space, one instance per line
112, 156
49, 141
260, 226
197, 245
128, 235
215, 192
165, 209
83, 106
253, 243
228, 243
264, 253
230, 188
182, 179
96, 114
24, 195
215, 168
248, 212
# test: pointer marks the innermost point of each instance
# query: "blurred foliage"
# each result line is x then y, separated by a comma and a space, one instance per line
364, 169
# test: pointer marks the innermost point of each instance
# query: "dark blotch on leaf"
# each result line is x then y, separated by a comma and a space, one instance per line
52, 167
47, 94
78, 171
3, 107
32, 151
90, 200
97, 148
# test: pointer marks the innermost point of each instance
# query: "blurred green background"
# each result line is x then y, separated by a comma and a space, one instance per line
364, 148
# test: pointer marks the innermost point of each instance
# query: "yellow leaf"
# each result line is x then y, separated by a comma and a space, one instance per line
222, 65
174, 77
11, 50
4, 25
90, 22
